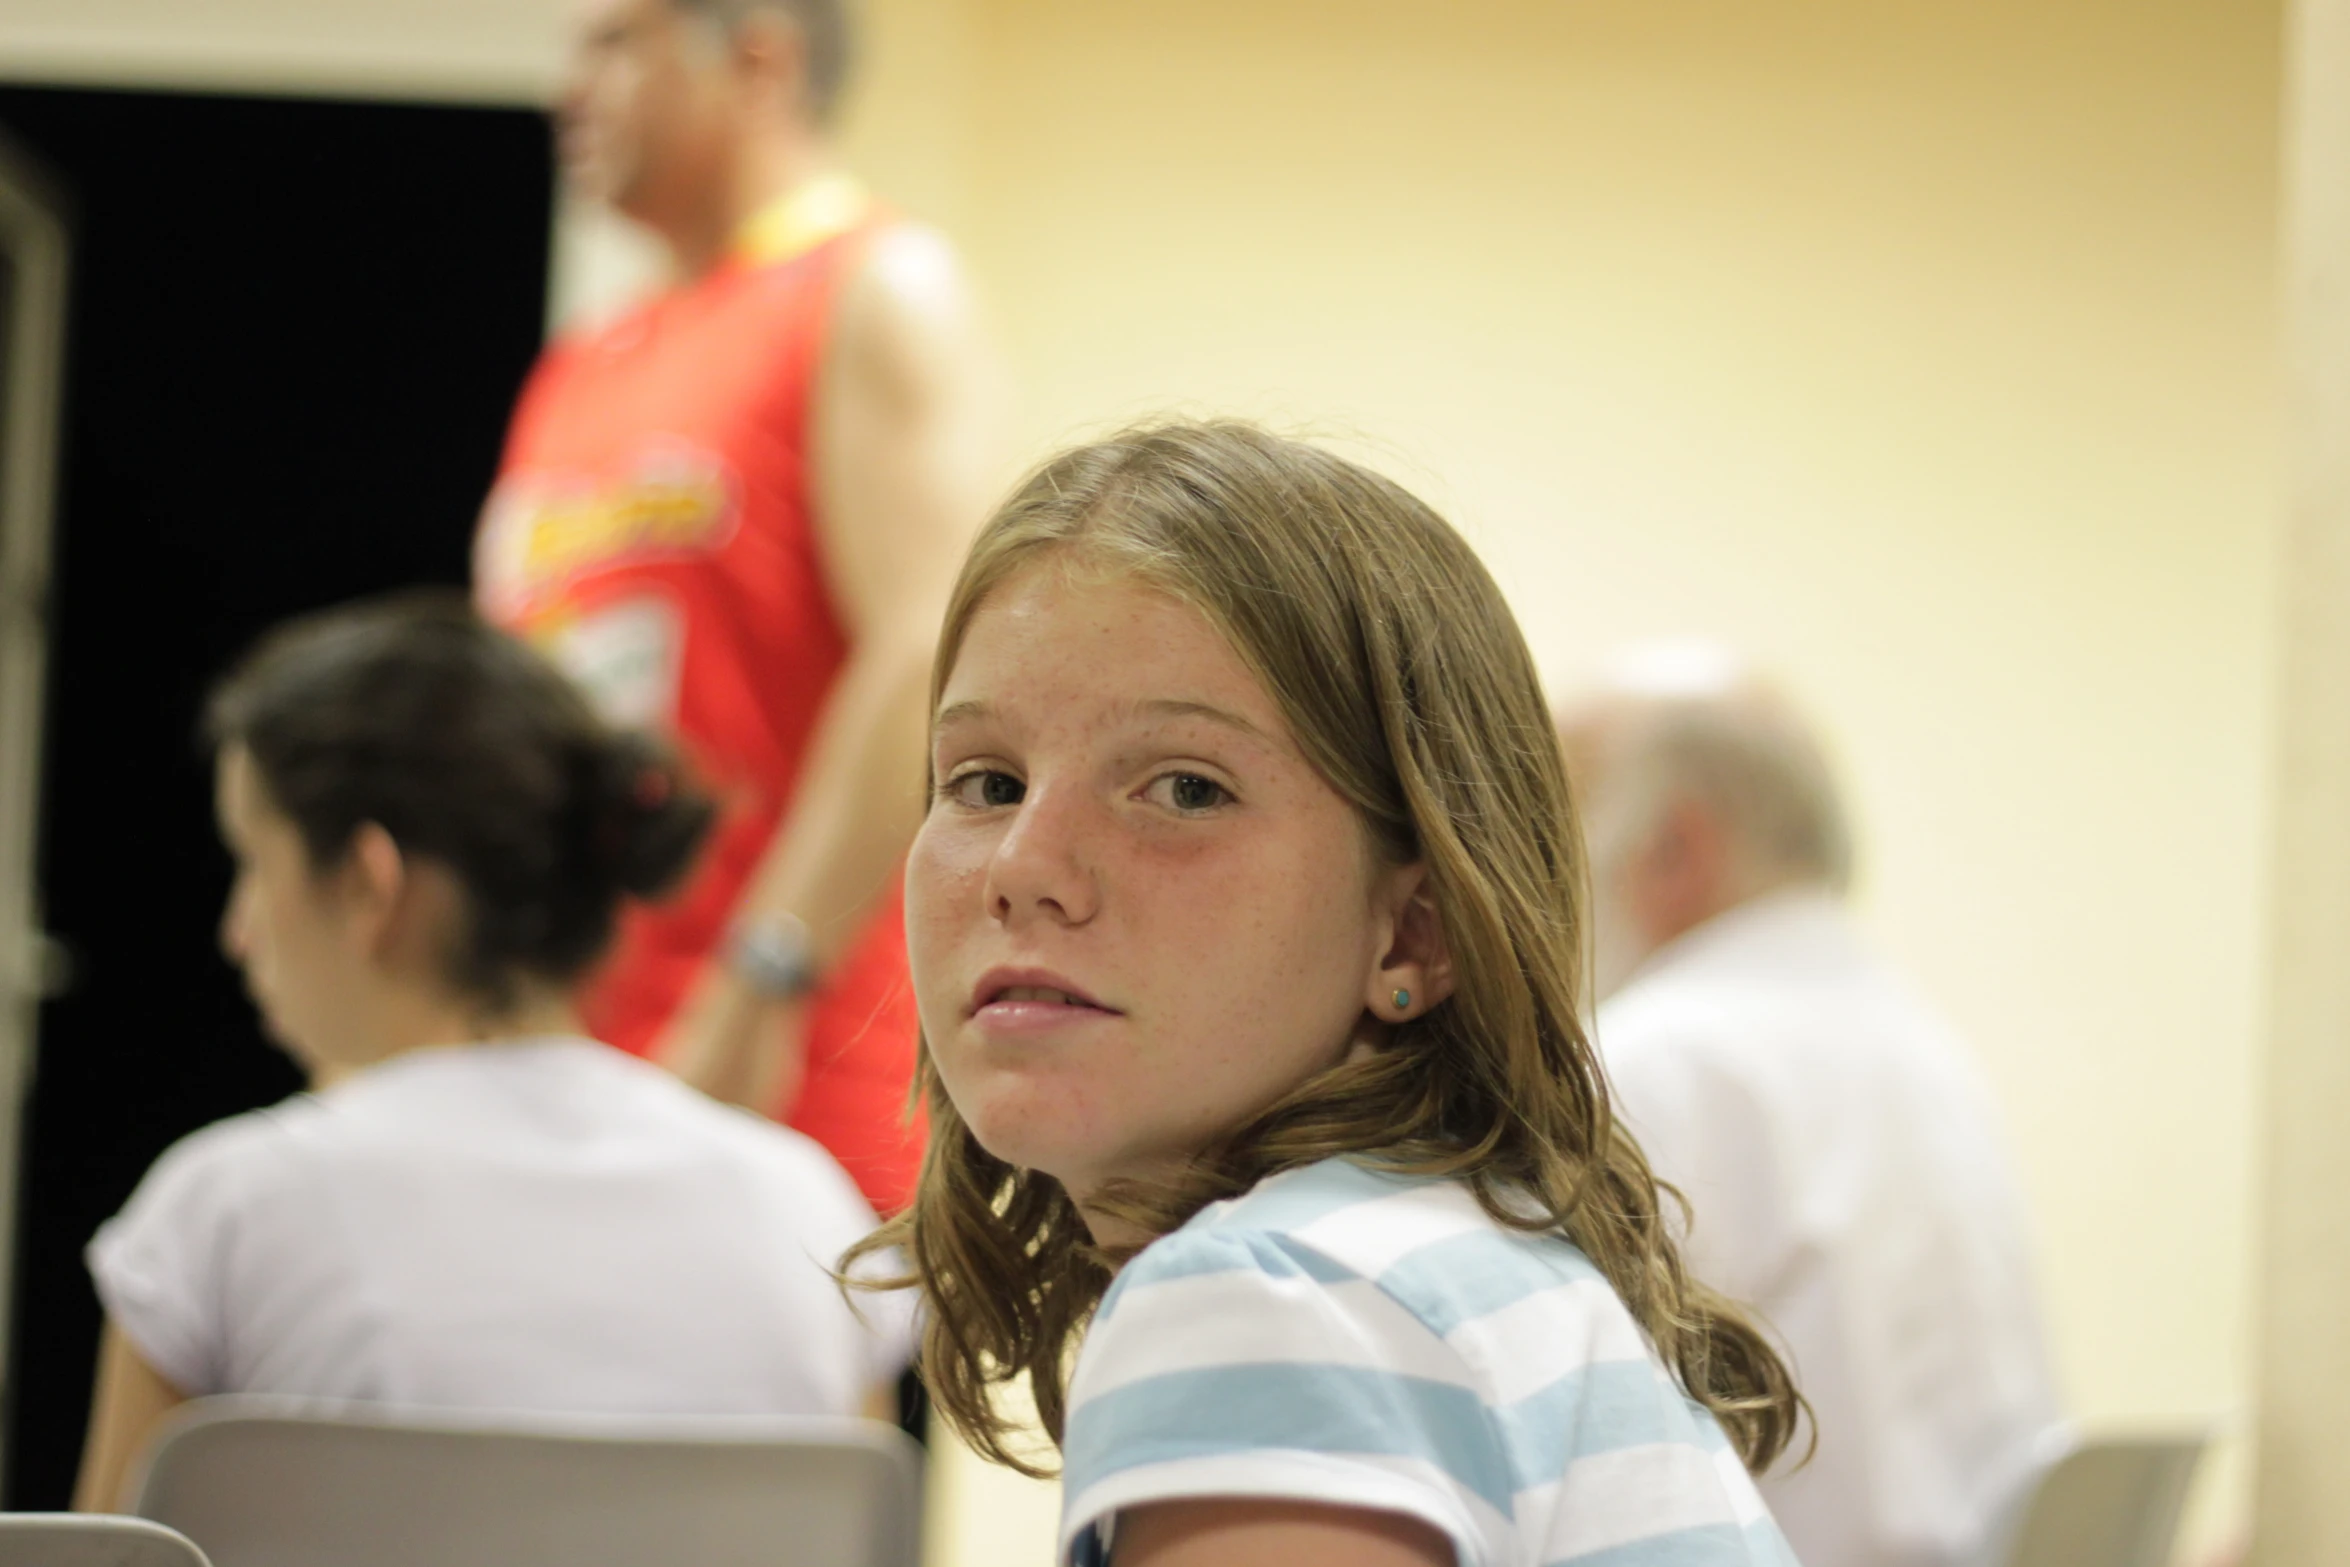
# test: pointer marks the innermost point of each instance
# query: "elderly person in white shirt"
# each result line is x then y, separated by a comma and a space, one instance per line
1838, 1147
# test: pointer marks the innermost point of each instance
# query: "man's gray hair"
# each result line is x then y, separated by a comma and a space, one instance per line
827, 26
1695, 721
1752, 761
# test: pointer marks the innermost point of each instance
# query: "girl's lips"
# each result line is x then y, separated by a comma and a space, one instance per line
1024, 999
1025, 1016
1031, 984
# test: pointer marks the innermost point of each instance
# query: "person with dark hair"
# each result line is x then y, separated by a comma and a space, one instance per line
732, 515
480, 1206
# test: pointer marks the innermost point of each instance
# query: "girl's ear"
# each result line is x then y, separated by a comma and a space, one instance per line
375, 884
1414, 971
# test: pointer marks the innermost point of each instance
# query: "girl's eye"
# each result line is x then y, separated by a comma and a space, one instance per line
983, 788
1188, 792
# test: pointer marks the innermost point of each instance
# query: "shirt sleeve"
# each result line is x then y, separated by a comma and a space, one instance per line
839, 1216
889, 1317
160, 1264
1241, 1364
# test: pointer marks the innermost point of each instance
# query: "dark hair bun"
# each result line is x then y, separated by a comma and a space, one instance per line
472, 750
651, 821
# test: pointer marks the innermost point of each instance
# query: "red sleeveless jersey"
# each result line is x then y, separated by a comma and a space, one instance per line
652, 529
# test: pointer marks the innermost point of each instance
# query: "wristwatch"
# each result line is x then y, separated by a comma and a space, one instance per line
772, 954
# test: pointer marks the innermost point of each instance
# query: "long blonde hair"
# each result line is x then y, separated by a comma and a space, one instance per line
1402, 675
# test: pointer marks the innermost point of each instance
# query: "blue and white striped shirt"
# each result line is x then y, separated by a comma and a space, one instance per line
1346, 1336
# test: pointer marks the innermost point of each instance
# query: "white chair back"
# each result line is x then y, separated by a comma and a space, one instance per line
2111, 1501
92, 1540
287, 1483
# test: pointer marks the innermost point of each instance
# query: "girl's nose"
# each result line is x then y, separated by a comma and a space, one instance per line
1042, 867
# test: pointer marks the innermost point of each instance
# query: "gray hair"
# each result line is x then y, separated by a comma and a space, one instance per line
826, 25
1754, 762
1695, 723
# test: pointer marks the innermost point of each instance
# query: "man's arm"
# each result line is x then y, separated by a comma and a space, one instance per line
907, 435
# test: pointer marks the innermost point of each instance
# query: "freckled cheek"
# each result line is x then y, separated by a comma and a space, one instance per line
1253, 939
941, 864
945, 904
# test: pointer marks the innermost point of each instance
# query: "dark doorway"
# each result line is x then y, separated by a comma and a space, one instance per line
295, 333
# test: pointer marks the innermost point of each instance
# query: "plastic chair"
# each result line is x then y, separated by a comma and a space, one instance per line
92, 1540
298, 1483
2110, 1501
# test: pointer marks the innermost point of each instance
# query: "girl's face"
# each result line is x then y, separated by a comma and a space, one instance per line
1136, 914
284, 926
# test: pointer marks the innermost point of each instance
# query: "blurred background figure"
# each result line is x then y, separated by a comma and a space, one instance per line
1838, 1149
732, 515
487, 1209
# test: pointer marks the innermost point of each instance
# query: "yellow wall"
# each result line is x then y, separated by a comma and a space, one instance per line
1926, 350
2303, 1370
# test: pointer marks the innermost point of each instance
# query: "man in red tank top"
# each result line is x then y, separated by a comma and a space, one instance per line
733, 515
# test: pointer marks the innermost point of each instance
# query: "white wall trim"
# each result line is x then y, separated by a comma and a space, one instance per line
451, 68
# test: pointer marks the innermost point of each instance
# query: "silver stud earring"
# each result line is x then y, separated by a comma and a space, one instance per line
1403, 999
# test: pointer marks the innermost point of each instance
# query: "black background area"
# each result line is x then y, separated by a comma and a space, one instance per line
296, 331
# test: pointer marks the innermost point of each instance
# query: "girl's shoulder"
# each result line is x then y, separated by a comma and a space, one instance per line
250, 1173
1425, 1244
231, 1157
1362, 1338
1342, 1270
1343, 1264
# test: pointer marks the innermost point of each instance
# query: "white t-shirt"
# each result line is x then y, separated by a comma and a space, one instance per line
545, 1225
1846, 1174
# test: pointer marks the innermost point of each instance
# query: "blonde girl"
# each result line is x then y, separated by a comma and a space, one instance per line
1247, 927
